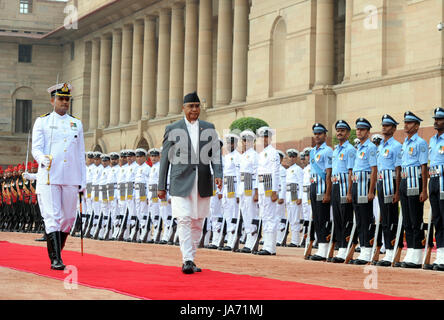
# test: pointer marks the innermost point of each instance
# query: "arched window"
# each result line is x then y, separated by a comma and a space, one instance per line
143, 144
278, 57
98, 148
22, 100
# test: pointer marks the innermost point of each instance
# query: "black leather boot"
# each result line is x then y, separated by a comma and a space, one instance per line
54, 250
63, 237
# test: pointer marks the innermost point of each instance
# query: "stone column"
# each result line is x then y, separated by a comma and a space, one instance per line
205, 53
126, 71
94, 93
191, 43
163, 62
116, 62
176, 60
240, 50
348, 34
104, 81
224, 53
136, 80
149, 69
325, 48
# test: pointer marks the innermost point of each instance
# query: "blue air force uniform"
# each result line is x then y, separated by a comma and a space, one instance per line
343, 161
389, 159
364, 162
414, 155
436, 189
320, 161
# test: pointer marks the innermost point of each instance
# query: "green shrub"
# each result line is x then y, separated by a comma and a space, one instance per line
245, 123
351, 139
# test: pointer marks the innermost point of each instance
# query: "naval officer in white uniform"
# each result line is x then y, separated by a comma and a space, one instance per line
59, 149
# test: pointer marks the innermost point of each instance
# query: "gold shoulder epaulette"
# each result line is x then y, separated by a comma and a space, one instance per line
44, 115
73, 116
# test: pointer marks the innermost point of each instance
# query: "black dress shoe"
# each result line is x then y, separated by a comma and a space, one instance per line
317, 258
383, 263
42, 238
170, 243
188, 267
410, 265
292, 245
429, 266
438, 267
358, 249
163, 242
150, 241
264, 253
397, 265
278, 244
212, 246
245, 250
337, 260
360, 262
196, 269
352, 261
226, 248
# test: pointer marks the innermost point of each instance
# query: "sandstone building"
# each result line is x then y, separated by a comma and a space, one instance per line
289, 62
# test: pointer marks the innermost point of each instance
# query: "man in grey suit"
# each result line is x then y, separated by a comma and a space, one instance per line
190, 146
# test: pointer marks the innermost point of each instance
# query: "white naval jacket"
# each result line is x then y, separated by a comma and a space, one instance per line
61, 137
282, 182
269, 163
248, 164
295, 174
231, 165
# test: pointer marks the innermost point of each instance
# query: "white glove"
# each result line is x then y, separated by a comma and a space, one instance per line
45, 161
26, 175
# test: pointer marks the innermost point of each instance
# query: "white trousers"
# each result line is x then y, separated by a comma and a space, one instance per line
190, 231
267, 209
216, 213
294, 212
141, 207
250, 211
230, 211
58, 205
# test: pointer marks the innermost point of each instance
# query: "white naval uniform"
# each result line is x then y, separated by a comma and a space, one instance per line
306, 207
96, 204
141, 181
268, 164
295, 174
165, 211
280, 208
130, 174
103, 197
89, 175
153, 200
113, 193
216, 215
190, 211
250, 209
121, 199
230, 206
62, 138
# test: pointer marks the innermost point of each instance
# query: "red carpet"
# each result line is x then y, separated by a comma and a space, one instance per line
150, 281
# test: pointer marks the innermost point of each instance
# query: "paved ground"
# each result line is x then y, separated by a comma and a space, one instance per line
287, 265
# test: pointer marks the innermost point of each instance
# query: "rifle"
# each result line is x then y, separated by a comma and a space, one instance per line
258, 223
332, 242
223, 232
428, 241
397, 255
351, 245
309, 239
146, 228
376, 248
81, 229
238, 232
204, 232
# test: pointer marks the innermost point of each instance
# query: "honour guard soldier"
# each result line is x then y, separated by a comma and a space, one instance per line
166, 213
268, 187
103, 197
140, 190
341, 197
90, 166
96, 174
58, 147
363, 192
216, 214
413, 189
118, 223
436, 186
153, 200
247, 190
389, 179
280, 204
320, 189
230, 201
294, 193
306, 206
113, 195
130, 174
